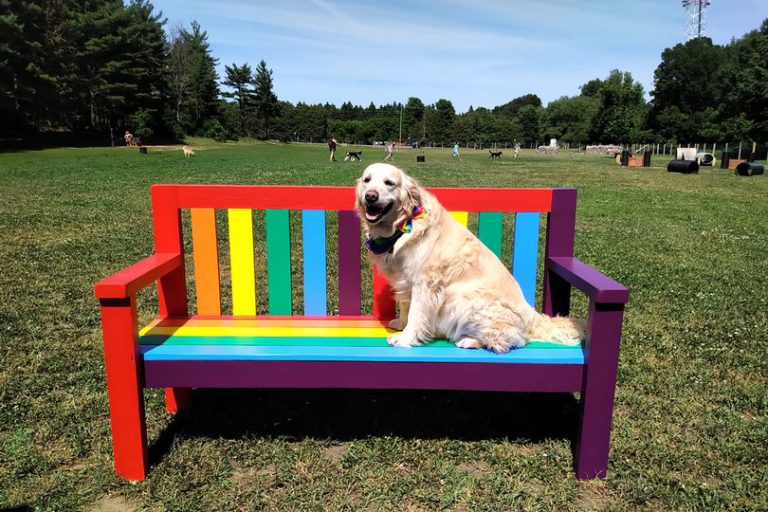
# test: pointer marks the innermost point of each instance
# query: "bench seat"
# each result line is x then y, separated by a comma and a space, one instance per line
262, 242
200, 352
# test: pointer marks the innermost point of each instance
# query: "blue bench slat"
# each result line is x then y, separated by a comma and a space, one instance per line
375, 354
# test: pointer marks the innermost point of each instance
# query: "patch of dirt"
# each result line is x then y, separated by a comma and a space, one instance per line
244, 477
478, 469
115, 504
335, 453
594, 497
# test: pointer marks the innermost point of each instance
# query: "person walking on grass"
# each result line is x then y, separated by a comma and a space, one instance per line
456, 153
332, 145
390, 150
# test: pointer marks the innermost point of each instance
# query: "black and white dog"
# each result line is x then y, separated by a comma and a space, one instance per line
353, 156
495, 154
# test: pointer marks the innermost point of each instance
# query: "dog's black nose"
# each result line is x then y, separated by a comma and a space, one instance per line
371, 196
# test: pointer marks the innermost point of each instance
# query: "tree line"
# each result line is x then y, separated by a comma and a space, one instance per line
94, 68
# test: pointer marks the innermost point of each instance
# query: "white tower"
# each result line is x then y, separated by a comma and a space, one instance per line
695, 10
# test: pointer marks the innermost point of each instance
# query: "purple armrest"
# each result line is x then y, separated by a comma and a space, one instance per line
598, 287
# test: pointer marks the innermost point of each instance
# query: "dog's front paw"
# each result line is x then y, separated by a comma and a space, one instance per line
468, 342
397, 324
399, 340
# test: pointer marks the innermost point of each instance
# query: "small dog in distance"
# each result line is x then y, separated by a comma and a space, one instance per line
353, 156
188, 151
495, 154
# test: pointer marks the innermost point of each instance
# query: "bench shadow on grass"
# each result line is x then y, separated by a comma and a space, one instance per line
348, 415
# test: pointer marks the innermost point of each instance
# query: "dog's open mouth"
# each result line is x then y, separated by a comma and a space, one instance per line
374, 213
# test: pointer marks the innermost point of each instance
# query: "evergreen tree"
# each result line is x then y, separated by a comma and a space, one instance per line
103, 79
239, 78
413, 119
202, 95
146, 50
441, 122
23, 76
266, 101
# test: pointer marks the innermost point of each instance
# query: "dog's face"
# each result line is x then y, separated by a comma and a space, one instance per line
384, 194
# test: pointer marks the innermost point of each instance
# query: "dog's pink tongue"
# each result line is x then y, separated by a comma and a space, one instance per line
370, 216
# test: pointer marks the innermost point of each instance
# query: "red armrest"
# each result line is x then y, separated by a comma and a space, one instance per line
128, 281
596, 285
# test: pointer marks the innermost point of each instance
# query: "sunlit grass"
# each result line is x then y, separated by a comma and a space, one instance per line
691, 425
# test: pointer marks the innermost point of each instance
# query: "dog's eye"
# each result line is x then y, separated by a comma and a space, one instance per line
389, 183
366, 179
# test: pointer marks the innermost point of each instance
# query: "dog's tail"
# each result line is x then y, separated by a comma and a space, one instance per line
558, 329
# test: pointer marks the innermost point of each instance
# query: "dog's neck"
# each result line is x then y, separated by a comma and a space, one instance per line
403, 225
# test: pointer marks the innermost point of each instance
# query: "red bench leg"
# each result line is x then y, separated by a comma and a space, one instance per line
593, 440
177, 400
125, 386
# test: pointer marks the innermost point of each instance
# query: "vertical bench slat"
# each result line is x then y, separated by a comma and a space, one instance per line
525, 253
489, 230
206, 261
461, 217
242, 261
278, 262
349, 263
314, 246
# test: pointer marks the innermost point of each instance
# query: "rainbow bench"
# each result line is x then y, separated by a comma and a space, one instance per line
214, 348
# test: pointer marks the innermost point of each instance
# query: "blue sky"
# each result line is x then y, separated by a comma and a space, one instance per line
480, 53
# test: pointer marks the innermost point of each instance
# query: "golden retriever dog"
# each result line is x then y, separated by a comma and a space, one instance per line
447, 283
188, 151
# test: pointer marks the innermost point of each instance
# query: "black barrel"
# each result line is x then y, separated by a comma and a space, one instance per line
647, 158
419, 158
724, 159
683, 166
624, 158
749, 169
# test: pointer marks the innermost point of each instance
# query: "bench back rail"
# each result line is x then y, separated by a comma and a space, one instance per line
215, 261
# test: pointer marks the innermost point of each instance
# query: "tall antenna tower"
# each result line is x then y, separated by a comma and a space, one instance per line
695, 26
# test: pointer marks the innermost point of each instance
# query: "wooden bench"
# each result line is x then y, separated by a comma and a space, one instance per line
201, 345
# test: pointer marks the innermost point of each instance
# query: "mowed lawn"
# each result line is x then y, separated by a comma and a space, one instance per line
691, 417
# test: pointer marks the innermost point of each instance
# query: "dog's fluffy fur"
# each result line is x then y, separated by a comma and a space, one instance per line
188, 151
495, 154
354, 155
448, 284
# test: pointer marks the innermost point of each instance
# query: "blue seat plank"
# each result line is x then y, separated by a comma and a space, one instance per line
425, 354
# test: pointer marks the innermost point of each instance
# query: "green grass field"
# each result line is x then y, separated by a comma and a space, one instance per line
691, 418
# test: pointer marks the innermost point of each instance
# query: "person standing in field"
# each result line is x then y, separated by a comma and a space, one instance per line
517, 149
332, 145
390, 150
456, 153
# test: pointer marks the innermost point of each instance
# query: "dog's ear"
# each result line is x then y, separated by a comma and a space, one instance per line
410, 194
359, 194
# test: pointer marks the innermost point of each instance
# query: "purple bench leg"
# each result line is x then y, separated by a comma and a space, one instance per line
598, 388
